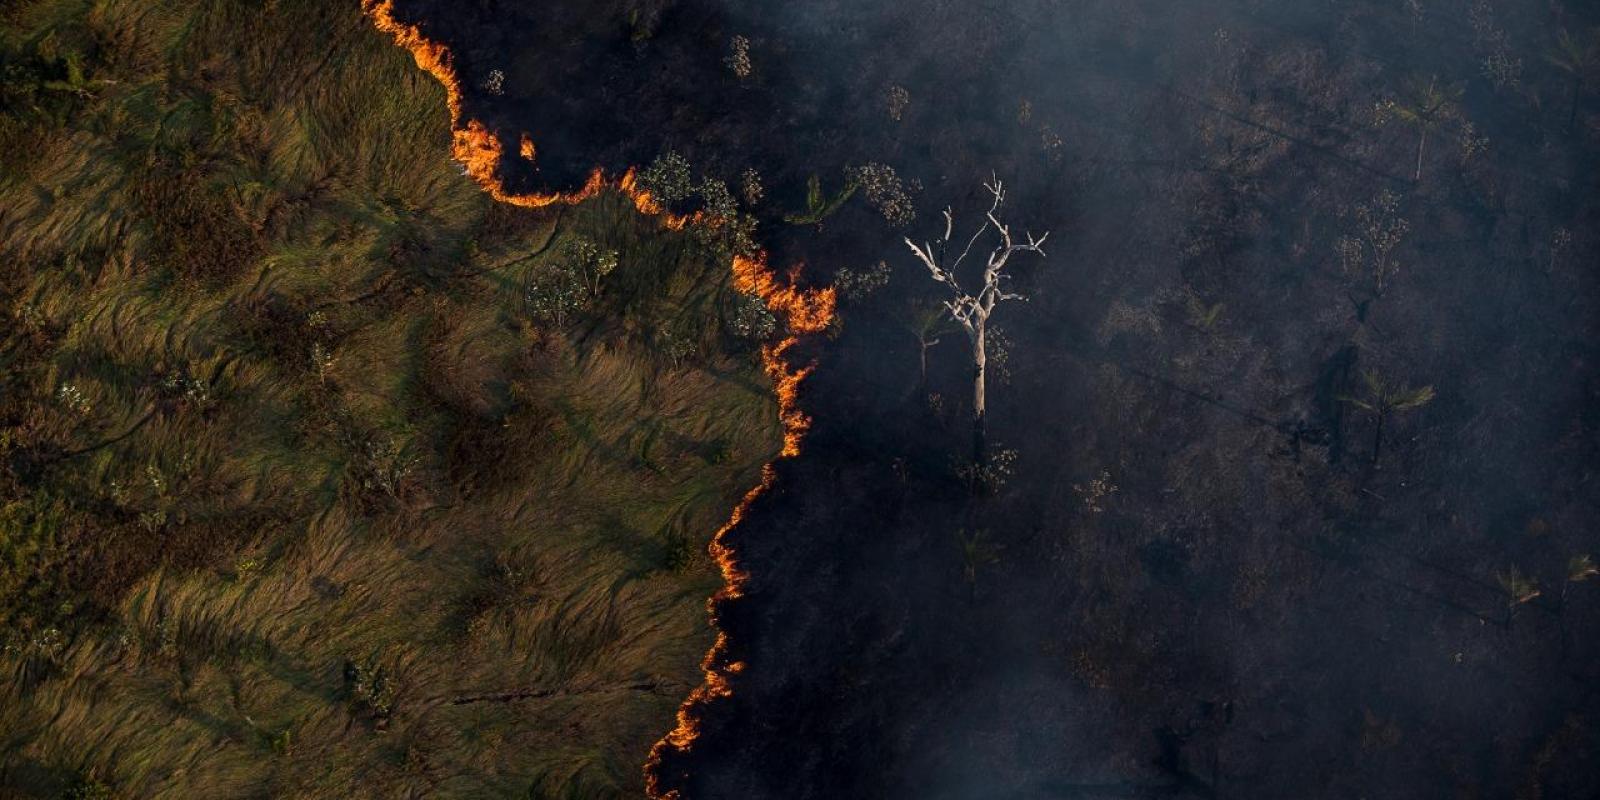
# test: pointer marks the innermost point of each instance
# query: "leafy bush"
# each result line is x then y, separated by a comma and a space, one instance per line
667, 179
885, 192
555, 293
750, 319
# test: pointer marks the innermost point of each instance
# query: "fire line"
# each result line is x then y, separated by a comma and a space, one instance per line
804, 311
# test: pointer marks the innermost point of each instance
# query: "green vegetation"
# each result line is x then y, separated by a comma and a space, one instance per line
819, 206
668, 179
977, 552
297, 497
1578, 60
1519, 588
1424, 105
1202, 315
1383, 399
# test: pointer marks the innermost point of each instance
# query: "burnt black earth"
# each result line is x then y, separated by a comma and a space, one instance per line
1238, 553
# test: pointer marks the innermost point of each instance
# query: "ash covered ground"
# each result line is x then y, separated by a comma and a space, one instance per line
1300, 416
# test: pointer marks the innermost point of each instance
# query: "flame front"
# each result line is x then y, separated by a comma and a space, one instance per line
803, 312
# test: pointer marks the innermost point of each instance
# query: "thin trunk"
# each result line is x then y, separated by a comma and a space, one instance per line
1561, 617
1422, 142
1572, 111
980, 360
1377, 438
923, 386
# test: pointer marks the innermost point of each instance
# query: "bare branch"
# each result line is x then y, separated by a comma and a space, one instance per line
972, 311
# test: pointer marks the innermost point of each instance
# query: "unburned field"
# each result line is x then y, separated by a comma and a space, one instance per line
320, 474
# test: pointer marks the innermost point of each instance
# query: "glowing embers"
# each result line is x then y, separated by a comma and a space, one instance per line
804, 310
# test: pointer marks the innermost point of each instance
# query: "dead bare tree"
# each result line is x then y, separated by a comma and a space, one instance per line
972, 311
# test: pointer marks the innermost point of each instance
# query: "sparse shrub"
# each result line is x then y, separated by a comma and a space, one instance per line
591, 262
1502, 69
159, 504
166, 638
857, 285
751, 187
677, 344
371, 689
1560, 243
74, 400
183, 388
1000, 355
896, 101
668, 179
1369, 251
717, 201
885, 192
679, 554
554, 292
318, 324
48, 644
245, 567
495, 82
1472, 145
322, 361
380, 469
989, 474
750, 319
153, 520
1052, 143
738, 58
1500, 65
1096, 492
739, 234
88, 788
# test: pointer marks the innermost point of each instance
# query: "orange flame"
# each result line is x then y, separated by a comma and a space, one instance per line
804, 312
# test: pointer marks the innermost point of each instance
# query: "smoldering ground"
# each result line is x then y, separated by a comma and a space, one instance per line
1227, 562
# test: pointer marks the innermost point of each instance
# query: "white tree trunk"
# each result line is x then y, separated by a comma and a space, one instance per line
980, 361
980, 374
972, 310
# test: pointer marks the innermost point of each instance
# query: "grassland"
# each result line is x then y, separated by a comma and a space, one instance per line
297, 499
